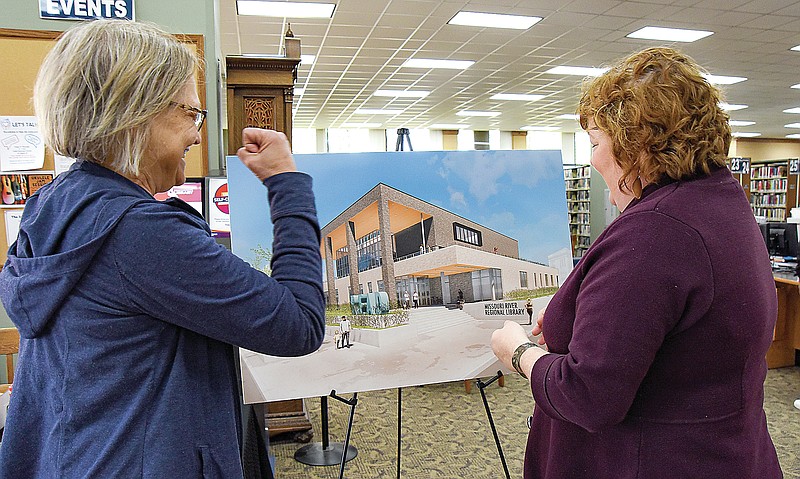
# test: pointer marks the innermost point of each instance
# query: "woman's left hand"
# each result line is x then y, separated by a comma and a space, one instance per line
506, 340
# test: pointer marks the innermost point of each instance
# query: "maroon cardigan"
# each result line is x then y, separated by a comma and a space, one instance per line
658, 341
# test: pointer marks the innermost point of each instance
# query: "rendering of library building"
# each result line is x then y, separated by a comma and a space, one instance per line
428, 250
349, 77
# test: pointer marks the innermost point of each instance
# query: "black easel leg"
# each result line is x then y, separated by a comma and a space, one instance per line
352, 403
399, 426
323, 404
481, 386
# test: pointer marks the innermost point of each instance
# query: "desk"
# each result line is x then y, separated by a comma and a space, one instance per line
786, 338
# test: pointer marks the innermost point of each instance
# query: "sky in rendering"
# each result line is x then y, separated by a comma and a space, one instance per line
519, 193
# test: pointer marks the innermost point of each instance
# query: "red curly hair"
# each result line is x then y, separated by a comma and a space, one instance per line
662, 115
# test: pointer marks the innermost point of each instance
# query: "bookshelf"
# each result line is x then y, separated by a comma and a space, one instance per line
577, 181
773, 188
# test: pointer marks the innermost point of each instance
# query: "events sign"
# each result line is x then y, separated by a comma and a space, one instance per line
21, 144
86, 9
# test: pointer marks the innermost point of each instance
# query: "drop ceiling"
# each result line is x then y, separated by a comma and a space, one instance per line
362, 47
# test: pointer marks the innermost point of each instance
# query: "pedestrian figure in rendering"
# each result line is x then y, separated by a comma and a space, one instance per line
529, 310
415, 298
337, 337
406, 301
344, 327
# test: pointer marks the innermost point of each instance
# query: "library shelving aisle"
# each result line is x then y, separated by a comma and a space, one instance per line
773, 189
577, 179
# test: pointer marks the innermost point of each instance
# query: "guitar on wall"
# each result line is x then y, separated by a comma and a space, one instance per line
8, 194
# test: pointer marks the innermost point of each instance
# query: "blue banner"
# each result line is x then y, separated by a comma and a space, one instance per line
86, 9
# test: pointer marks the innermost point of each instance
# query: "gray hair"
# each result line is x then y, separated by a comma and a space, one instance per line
101, 85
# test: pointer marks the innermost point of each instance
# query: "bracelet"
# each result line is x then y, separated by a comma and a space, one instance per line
518, 354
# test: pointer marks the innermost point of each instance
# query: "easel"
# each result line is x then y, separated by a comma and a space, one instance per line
324, 453
403, 134
481, 385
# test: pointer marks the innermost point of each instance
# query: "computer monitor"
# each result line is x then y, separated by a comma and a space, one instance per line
781, 239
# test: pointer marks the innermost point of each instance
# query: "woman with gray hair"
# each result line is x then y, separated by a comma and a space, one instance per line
126, 306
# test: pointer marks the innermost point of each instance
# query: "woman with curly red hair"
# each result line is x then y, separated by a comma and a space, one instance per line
656, 342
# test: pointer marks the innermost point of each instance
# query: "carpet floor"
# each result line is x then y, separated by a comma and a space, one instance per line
446, 434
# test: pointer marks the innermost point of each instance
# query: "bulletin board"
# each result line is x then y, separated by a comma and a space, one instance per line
21, 54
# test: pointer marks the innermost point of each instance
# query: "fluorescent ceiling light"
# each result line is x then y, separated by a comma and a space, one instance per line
494, 20
477, 113
516, 96
792, 125
540, 128
362, 125
792, 110
569, 116
793, 136
795, 86
307, 59
448, 126
797, 48
402, 93
723, 80
745, 134
377, 111
285, 9
431, 63
299, 91
579, 71
669, 34
741, 123
730, 107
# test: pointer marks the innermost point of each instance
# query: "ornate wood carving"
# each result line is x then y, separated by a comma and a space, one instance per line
259, 112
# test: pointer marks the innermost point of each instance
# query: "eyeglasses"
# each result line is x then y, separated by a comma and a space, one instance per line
199, 115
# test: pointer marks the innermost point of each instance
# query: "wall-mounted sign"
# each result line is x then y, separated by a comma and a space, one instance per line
86, 9
740, 165
794, 167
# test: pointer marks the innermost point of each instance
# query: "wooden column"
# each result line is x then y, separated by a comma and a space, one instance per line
260, 91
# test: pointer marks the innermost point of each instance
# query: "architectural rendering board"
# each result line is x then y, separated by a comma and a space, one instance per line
447, 237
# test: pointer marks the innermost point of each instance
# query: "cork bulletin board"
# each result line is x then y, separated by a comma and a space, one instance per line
21, 54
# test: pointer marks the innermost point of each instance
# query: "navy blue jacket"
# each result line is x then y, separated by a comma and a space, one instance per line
127, 309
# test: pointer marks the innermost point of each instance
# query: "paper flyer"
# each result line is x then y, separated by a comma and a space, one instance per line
62, 163
21, 144
13, 218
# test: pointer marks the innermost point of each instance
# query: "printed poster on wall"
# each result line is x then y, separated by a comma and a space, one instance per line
21, 144
219, 218
16, 188
468, 237
191, 192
